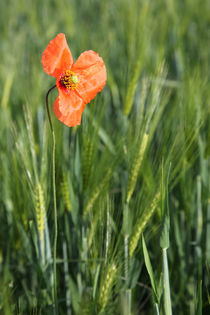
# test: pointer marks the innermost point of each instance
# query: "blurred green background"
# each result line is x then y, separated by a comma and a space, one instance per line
140, 157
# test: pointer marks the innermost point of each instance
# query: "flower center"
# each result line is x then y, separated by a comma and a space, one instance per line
69, 80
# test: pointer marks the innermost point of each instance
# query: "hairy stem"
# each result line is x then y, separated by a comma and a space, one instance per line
54, 201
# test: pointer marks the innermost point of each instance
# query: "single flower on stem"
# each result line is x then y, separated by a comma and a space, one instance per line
77, 83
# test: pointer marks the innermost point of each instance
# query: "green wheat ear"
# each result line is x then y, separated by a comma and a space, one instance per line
105, 290
142, 222
93, 227
65, 193
40, 211
135, 167
40, 220
87, 159
132, 88
96, 193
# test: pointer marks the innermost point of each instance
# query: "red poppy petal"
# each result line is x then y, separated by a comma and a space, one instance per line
68, 108
57, 56
91, 73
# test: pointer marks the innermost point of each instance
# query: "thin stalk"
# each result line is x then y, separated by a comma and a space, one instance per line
157, 309
47, 105
107, 231
126, 240
128, 301
126, 259
126, 255
55, 206
66, 279
166, 284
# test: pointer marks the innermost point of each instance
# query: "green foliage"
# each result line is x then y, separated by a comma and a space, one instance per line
150, 270
112, 172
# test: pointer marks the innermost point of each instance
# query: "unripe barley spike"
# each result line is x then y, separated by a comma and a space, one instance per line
138, 157
142, 223
96, 193
65, 193
105, 291
40, 218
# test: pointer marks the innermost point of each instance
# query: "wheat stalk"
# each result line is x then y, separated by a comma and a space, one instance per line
87, 159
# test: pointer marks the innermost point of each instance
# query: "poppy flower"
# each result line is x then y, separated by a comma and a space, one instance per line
77, 83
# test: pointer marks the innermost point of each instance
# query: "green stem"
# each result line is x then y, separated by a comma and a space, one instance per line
157, 309
126, 259
128, 301
166, 284
47, 105
126, 238
55, 206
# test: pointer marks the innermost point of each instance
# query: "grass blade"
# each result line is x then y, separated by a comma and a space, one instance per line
150, 271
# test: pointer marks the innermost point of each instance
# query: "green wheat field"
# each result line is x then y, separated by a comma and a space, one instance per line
132, 181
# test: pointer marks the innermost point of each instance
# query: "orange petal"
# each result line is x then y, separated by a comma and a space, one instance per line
57, 56
91, 73
68, 108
